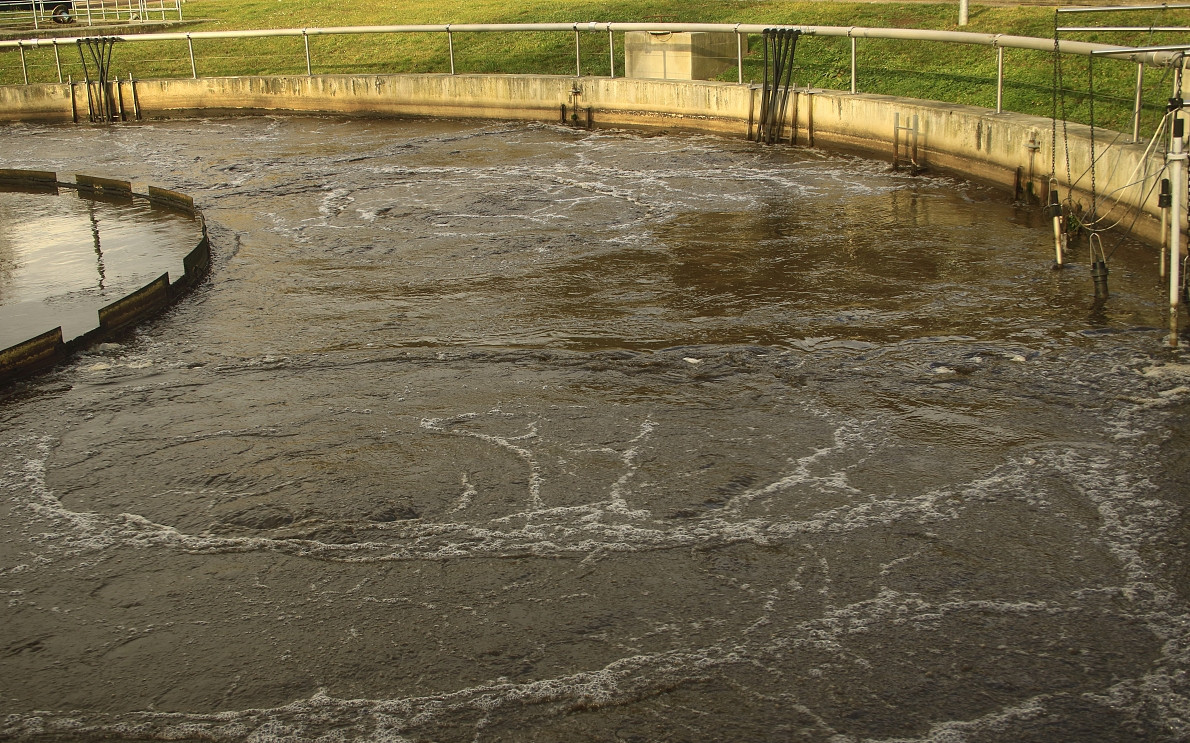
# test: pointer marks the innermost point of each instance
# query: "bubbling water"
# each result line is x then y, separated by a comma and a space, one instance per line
506, 431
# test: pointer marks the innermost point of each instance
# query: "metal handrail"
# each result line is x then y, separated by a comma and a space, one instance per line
1006, 41
1140, 56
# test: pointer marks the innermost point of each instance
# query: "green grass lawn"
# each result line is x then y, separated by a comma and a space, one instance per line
948, 72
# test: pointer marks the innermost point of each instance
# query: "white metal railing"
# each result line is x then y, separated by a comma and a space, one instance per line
44, 14
1160, 57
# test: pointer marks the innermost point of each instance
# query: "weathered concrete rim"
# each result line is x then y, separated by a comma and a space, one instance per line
47, 349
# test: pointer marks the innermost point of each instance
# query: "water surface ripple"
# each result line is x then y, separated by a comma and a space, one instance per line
489, 432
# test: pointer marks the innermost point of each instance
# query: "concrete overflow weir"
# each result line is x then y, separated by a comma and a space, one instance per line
50, 347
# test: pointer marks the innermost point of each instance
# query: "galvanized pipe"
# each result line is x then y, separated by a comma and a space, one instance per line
193, 67
57, 61
1140, 81
739, 55
309, 69
450, 44
1158, 56
578, 59
1124, 29
1112, 8
853, 82
24, 69
611, 51
1176, 160
999, 79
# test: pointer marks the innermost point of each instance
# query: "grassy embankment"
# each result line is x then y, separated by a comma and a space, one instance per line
949, 72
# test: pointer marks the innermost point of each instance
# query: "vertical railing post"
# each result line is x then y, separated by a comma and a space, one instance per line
35, 3
178, 7
89, 12
1140, 81
854, 88
1176, 162
57, 61
578, 59
193, 67
24, 69
306, 39
739, 54
450, 43
611, 50
999, 79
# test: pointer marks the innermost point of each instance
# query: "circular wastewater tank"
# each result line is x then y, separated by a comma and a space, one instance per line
504, 431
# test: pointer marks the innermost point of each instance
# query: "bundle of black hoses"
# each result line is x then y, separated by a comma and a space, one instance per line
779, 46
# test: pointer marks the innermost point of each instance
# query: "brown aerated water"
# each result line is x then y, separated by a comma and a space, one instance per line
507, 432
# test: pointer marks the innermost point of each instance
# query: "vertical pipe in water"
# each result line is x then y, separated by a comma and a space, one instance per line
1177, 177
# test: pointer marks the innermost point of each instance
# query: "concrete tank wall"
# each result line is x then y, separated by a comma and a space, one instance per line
1011, 150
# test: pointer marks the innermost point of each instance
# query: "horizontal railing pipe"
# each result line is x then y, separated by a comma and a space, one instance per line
906, 34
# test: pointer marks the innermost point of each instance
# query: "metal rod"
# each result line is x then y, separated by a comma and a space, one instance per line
578, 59
88, 12
1177, 178
999, 79
135, 103
1140, 81
853, 82
1112, 8
1140, 51
963, 12
1124, 29
1164, 239
24, 69
35, 26
450, 43
739, 56
178, 7
309, 69
57, 61
611, 50
193, 67
1148, 55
